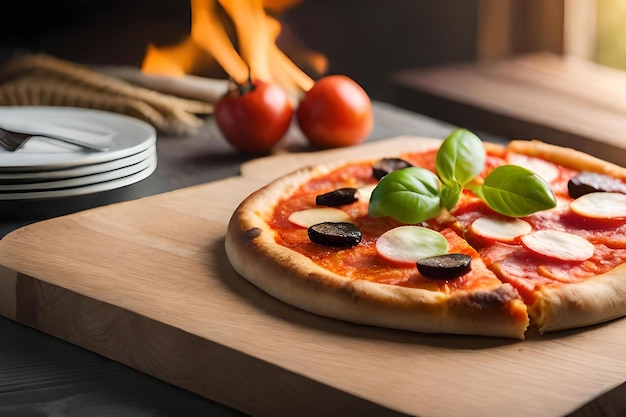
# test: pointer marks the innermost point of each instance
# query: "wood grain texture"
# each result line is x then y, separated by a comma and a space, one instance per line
8, 282
147, 283
509, 27
567, 101
494, 37
271, 167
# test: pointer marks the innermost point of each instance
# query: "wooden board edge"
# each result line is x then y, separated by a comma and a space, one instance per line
198, 365
8, 288
272, 167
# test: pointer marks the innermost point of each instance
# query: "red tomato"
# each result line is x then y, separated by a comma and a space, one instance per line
335, 112
254, 120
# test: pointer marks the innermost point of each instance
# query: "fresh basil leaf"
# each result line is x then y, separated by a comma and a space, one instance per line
516, 191
460, 158
450, 194
409, 195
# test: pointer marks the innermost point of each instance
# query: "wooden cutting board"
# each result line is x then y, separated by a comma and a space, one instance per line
147, 283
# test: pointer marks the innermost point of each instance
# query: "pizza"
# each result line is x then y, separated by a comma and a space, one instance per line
456, 236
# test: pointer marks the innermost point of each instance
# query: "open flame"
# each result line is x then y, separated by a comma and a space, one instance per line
257, 55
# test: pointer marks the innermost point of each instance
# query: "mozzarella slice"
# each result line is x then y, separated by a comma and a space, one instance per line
408, 244
309, 217
364, 193
500, 229
600, 205
547, 170
558, 245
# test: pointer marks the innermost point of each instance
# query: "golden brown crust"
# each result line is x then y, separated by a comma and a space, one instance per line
567, 157
595, 300
495, 149
296, 280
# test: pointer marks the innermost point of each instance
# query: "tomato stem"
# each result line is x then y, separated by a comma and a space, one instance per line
242, 88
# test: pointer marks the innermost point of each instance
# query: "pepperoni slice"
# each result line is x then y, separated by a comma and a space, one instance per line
559, 245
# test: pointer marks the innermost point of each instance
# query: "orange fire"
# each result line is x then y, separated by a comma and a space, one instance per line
257, 56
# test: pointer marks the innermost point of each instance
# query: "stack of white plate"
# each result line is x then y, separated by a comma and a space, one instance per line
47, 168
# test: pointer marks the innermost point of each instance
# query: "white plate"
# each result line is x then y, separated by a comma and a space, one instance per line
35, 176
128, 136
88, 189
80, 181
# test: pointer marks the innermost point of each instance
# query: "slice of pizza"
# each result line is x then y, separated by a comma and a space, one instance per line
568, 263
464, 238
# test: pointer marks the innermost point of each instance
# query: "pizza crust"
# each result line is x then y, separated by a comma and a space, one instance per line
296, 280
595, 300
567, 157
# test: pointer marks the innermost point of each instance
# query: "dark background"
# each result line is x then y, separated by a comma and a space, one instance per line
364, 39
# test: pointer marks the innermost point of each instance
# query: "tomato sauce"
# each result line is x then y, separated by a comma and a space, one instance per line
511, 263
362, 261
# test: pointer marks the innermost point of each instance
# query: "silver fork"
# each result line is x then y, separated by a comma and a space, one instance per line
12, 140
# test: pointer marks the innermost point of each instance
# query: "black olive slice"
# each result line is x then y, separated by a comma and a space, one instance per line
384, 166
337, 197
591, 182
339, 234
447, 266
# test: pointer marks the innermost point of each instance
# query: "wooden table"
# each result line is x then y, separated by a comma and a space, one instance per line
562, 100
41, 373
